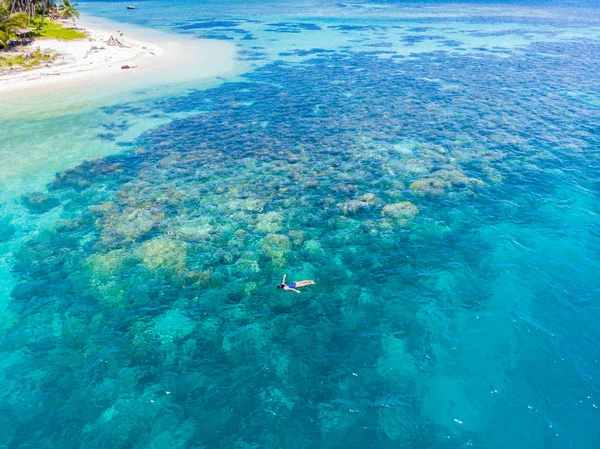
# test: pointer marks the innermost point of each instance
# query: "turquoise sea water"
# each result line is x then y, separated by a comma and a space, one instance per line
434, 167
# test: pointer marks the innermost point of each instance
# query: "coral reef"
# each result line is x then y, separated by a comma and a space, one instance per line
163, 253
144, 305
401, 212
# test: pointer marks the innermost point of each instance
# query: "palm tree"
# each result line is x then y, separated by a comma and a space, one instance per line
45, 4
4, 40
67, 9
9, 23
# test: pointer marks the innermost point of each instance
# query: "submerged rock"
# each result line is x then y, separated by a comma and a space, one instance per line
314, 248
7, 230
444, 180
406, 146
104, 279
297, 237
253, 204
415, 166
368, 198
130, 224
163, 253
354, 206
397, 363
39, 202
191, 231
401, 212
248, 263
103, 266
275, 401
197, 278
269, 222
276, 246
396, 420
248, 341
429, 186
172, 325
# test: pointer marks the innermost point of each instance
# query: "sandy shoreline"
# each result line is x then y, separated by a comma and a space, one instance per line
91, 57
94, 68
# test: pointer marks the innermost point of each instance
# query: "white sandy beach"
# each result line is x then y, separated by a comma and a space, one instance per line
90, 68
86, 58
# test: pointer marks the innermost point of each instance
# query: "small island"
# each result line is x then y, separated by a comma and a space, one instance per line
22, 22
42, 40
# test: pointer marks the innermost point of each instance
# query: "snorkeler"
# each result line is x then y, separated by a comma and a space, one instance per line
292, 285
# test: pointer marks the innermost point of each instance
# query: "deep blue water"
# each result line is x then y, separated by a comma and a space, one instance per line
436, 172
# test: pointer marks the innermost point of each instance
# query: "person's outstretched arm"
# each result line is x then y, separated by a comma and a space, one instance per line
283, 280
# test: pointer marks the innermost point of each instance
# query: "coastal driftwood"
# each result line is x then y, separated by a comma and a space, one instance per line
114, 42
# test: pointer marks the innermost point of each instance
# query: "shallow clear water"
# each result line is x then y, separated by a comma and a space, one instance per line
436, 171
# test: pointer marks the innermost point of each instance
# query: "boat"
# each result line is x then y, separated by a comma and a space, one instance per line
130, 7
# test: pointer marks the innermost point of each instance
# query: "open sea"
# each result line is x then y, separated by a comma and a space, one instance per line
434, 167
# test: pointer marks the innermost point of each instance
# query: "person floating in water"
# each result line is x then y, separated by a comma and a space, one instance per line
292, 285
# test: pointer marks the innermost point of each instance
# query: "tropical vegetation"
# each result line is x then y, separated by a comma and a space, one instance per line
68, 11
10, 22
55, 30
25, 60
15, 15
21, 21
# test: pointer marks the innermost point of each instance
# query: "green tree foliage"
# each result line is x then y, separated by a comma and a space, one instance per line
10, 22
67, 10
